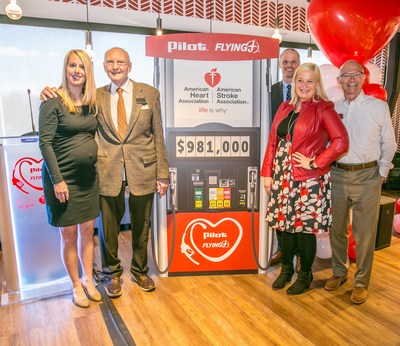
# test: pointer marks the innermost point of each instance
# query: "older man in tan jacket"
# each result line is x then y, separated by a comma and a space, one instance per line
135, 158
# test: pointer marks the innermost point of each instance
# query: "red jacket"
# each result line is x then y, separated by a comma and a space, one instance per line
317, 125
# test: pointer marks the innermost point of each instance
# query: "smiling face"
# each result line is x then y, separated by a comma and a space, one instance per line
117, 65
351, 79
306, 85
289, 62
75, 72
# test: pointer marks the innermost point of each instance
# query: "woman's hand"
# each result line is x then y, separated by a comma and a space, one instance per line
268, 185
61, 192
301, 160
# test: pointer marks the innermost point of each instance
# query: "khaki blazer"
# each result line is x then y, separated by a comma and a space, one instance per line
142, 152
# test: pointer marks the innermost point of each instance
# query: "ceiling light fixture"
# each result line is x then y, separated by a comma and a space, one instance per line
159, 26
88, 35
159, 21
276, 33
13, 11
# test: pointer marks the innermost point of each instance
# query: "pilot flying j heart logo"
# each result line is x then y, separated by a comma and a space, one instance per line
212, 78
27, 176
214, 242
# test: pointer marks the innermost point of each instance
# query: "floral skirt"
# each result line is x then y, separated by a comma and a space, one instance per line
297, 206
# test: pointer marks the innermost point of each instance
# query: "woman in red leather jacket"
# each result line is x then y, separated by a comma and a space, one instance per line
306, 136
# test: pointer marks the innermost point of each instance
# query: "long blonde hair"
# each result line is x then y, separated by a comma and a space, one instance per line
320, 91
88, 89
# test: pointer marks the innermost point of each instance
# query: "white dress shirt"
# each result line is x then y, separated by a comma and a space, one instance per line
369, 125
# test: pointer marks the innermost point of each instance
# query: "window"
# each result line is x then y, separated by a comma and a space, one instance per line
32, 57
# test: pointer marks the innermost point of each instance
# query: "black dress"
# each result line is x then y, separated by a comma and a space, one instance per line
69, 151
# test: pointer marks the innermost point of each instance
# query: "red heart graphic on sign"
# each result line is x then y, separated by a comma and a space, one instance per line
346, 29
215, 242
30, 171
212, 78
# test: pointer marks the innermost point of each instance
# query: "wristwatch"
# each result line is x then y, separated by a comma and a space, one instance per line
312, 165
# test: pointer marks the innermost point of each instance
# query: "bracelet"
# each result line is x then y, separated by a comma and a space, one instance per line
312, 165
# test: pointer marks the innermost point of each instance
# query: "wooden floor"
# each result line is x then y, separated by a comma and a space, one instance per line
221, 310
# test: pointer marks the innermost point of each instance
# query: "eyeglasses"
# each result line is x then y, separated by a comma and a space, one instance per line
118, 62
356, 75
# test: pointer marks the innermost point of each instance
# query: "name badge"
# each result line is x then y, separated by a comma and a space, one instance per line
141, 101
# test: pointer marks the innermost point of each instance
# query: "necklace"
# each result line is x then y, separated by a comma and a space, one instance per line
290, 125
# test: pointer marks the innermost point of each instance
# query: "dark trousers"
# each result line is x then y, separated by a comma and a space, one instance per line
279, 240
112, 211
303, 243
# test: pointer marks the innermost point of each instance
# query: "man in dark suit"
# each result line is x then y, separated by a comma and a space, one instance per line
289, 60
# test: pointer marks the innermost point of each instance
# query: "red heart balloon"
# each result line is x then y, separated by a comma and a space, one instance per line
375, 90
344, 29
367, 75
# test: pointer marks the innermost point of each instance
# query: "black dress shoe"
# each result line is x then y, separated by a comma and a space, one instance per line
276, 258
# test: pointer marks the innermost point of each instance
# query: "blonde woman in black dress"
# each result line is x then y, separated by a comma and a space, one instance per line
67, 126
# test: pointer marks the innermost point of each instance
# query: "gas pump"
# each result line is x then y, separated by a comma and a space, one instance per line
213, 200
215, 112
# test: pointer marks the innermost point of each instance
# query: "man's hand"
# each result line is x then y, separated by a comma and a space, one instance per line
48, 93
162, 186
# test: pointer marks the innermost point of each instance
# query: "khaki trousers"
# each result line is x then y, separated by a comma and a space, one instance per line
360, 191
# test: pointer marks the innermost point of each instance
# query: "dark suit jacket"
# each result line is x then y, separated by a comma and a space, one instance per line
142, 152
276, 98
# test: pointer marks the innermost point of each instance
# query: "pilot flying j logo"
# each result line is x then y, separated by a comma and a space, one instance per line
27, 176
212, 78
212, 47
214, 242
251, 46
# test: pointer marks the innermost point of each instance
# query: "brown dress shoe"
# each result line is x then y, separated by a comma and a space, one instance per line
359, 295
113, 287
276, 258
335, 282
145, 282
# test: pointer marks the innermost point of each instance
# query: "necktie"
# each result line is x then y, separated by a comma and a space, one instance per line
121, 115
288, 92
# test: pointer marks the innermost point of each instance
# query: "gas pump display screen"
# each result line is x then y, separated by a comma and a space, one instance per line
188, 145
213, 170
212, 146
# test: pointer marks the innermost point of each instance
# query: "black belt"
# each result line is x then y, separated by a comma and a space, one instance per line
355, 167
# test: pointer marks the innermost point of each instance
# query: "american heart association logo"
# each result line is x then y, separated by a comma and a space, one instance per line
214, 242
27, 175
212, 78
